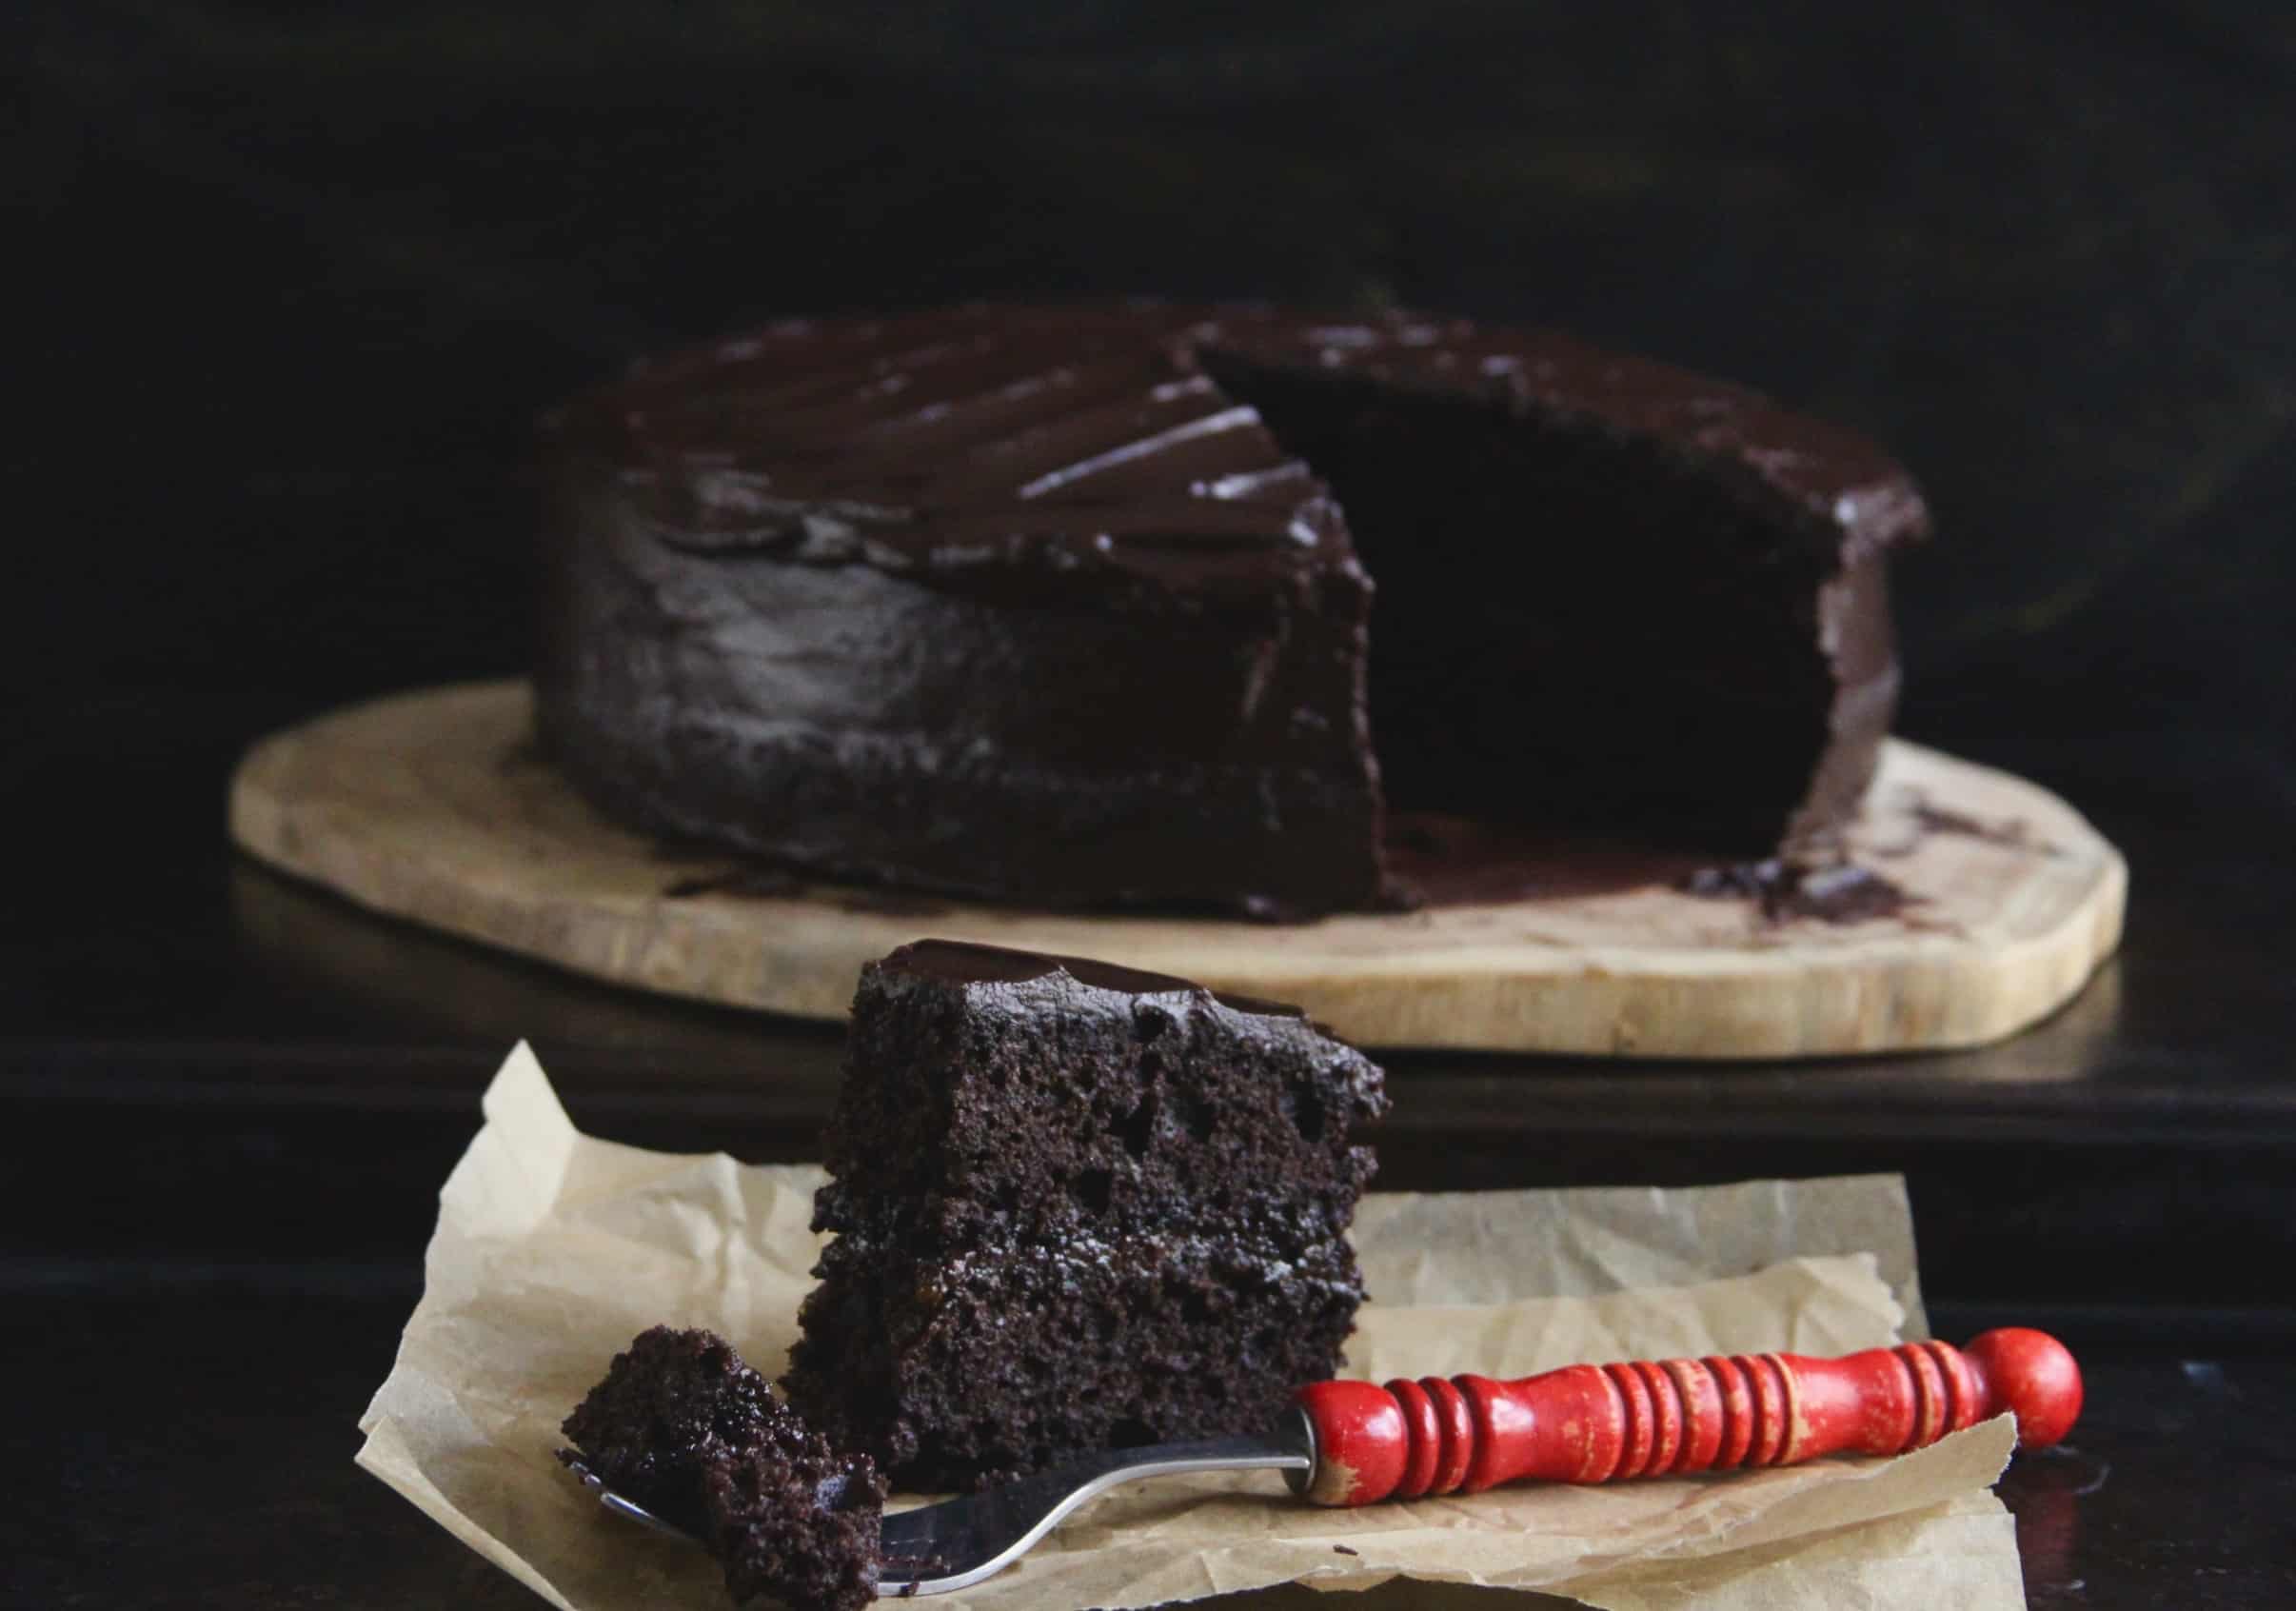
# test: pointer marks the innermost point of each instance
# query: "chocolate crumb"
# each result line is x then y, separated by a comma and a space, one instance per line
917, 1569
1837, 892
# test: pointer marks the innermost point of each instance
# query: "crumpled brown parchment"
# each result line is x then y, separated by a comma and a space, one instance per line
553, 1249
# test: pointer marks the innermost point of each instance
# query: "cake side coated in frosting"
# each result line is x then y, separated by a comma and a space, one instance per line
1077, 606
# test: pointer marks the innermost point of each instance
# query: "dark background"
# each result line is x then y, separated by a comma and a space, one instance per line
293, 291
288, 284
295, 280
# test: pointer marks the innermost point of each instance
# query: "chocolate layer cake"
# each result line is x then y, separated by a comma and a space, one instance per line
1076, 1208
683, 1427
1075, 605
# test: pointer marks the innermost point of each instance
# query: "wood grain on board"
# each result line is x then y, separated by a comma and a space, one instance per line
433, 807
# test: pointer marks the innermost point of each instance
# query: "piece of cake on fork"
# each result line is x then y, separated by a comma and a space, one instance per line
682, 1426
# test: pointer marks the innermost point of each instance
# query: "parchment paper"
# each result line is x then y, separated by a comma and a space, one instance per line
554, 1249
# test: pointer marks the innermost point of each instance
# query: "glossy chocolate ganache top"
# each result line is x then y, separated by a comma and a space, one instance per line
962, 438
965, 962
1075, 604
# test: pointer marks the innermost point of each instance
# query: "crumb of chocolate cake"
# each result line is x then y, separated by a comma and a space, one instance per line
665, 1404
1835, 891
683, 1427
800, 1527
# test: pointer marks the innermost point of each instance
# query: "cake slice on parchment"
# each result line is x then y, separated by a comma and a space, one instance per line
1077, 1207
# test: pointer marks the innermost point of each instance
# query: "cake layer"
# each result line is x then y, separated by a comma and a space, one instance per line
1001, 1095
1642, 625
1058, 605
959, 1371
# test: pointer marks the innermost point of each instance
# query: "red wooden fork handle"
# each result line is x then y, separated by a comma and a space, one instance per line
1604, 1424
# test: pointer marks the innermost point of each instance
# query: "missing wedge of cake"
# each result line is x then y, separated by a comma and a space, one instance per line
1075, 1207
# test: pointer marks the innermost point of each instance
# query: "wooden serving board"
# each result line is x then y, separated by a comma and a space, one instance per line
434, 806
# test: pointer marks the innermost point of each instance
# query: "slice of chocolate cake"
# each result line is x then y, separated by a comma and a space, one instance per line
683, 1427
1077, 1207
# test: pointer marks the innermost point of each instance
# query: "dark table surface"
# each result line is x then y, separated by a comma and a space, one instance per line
295, 289
2173, 1492
234, 1099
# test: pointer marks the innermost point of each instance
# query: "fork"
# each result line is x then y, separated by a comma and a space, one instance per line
1356, 1442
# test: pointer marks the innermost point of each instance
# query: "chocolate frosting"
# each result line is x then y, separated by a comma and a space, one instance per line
1033, 603
961, 440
